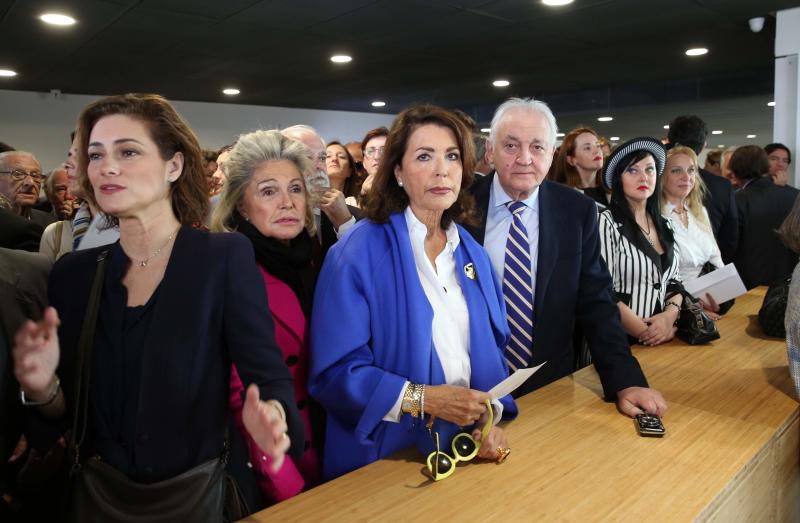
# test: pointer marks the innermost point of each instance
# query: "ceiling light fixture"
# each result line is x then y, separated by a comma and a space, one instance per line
615, 138
771, 104
716, 132
57, 19
8, 73
231, 91
559, 135
501, 83
556, 3
666, 126
605, 119
486, 130
696, 51
378, 103
341, 58
721, 145
751, 136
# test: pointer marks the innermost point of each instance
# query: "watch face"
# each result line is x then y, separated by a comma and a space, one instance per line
406, 405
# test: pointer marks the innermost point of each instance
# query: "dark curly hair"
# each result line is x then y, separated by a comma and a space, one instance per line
386, 197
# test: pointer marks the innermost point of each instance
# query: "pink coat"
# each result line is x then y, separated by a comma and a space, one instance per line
291, 334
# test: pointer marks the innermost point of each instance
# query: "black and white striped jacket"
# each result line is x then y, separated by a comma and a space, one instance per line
642, 280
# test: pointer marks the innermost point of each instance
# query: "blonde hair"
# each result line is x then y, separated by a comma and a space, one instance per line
251, 151
694, 201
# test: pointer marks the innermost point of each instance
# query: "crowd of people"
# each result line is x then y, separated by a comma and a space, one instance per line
285, 310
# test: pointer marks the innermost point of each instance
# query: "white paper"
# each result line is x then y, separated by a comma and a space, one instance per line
511, 383
723, 284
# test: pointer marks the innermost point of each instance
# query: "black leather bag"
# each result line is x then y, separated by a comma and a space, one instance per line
100, 493
773, 310
694, 326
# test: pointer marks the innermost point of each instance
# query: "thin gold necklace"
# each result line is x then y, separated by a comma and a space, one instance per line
171, 237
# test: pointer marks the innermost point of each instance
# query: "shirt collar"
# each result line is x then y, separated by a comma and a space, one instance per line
417, 229
501, 198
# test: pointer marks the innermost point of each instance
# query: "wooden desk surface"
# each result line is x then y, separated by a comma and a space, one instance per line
575, 458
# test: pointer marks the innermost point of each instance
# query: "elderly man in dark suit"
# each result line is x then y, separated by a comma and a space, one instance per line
20, 182
544, 244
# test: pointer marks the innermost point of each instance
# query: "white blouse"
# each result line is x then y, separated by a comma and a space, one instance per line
450, 327
696, 241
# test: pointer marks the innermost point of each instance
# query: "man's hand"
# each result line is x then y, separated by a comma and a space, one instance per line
640, 400
332, 204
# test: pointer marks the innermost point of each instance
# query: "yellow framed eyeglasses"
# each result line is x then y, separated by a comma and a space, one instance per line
464, 447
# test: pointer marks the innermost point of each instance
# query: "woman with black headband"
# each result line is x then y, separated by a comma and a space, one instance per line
638, 245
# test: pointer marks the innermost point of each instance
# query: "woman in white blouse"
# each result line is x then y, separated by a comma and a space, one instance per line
409, 322
637, 243
682, 193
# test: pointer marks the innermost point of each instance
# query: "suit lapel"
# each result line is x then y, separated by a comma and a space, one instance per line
480, 190
281, 295
548, 246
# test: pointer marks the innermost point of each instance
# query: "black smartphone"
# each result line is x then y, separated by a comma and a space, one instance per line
649, 425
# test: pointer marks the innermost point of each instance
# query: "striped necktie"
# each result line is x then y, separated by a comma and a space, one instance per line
518, 292
80, 224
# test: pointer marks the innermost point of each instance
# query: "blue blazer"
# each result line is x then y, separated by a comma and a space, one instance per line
573, 286
371, 331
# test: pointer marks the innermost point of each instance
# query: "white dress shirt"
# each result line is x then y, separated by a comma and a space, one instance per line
498, 223
450, 327
696, 241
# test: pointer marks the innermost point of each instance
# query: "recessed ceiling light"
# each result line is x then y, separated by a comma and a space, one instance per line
771, 104
57, 19
231, 91
716, 132
721, 145
556, 3
696, 51
559, 135
341, 58
486, 130
378, 103
751, 136
615, 138
605, 119
7, 72
501, 83
666, 126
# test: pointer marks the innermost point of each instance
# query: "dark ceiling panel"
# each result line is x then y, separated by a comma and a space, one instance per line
592, 53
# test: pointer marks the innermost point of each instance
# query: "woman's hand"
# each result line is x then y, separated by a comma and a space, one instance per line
332, 204
266, 425
496, 439
36, 353
710, 307
458, 405
660, 328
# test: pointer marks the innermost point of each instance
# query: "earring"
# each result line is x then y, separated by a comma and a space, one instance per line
399, 182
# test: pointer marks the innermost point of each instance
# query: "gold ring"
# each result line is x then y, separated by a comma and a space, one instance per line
503, 454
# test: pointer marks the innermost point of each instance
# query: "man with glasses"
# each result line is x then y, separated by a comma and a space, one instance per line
20, 182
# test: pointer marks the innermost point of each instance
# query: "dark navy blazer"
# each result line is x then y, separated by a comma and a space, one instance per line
572, 286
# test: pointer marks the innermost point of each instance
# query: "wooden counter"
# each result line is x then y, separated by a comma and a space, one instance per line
731, 453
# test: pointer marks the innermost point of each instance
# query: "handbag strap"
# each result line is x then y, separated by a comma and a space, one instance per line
84, 366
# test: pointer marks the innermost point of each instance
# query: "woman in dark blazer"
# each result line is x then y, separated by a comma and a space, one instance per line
637, 243
177, 307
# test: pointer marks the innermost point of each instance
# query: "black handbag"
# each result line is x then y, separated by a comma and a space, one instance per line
99, 492
694, 326
773, 310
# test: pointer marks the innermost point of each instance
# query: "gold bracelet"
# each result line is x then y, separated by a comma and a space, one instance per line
411, 400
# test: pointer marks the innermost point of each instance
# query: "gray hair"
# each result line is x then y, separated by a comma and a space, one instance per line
49, 182
526, 104
8, 154
789, 231
251, 151
302, 128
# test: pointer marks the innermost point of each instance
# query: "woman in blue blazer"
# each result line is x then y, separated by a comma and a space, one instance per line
177, 307
409, 322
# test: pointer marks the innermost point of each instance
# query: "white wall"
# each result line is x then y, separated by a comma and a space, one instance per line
40, 123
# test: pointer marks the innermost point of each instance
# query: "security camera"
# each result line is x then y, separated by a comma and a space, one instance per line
756, 24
